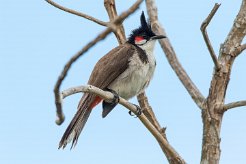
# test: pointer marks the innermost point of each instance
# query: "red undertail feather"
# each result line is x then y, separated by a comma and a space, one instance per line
95, 102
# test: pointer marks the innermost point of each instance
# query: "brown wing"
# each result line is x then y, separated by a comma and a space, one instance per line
110, 66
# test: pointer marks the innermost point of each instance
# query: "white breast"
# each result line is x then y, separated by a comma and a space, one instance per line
136, 78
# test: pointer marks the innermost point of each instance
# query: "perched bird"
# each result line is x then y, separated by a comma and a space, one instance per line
125, 71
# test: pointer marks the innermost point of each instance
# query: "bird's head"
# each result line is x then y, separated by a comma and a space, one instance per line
143, 36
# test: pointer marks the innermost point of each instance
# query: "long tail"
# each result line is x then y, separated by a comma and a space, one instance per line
87, 103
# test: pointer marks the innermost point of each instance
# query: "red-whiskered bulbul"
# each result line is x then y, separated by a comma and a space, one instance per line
125, 71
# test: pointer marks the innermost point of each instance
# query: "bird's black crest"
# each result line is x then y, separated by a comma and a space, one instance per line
144, 30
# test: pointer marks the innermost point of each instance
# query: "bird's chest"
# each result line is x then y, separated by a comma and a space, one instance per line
136, 77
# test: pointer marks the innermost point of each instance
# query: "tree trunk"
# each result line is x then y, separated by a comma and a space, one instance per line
213, 113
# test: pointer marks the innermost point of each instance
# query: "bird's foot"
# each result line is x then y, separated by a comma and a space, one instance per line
138, 112
116, 98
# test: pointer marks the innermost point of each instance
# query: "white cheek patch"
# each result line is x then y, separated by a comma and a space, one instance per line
140, 42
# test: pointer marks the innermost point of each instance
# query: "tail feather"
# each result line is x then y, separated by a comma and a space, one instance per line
82, 122
78, 122
75, 127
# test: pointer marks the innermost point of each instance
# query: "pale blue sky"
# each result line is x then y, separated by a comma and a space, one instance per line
36, 40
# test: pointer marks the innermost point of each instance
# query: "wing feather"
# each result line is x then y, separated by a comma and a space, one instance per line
108, 67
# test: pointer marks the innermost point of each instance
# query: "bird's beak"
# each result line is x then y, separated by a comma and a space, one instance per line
158, 37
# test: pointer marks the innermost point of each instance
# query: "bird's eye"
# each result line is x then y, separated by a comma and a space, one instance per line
145, 37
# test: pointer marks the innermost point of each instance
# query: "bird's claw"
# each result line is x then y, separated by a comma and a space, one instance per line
130, 113
138, 112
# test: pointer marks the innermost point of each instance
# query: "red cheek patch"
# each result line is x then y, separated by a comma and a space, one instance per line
138, 38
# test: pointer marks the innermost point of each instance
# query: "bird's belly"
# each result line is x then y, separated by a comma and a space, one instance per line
133, 81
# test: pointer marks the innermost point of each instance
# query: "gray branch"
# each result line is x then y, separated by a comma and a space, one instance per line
234, 105
238, 50
204, 25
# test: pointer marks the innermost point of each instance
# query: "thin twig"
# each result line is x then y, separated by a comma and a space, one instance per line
101, 36
194, 92
204, 25
109, 97
77, 13
234, 105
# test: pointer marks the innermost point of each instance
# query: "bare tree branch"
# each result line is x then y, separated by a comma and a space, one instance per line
237, 33
149, 113
147, 110
172, 58
234, 105
101, 36
108, 96
116, 23
238, 50
204, 25
112, 13
77, 13
59, 113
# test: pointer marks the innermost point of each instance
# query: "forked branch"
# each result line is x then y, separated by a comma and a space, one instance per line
204, 25
112, 14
